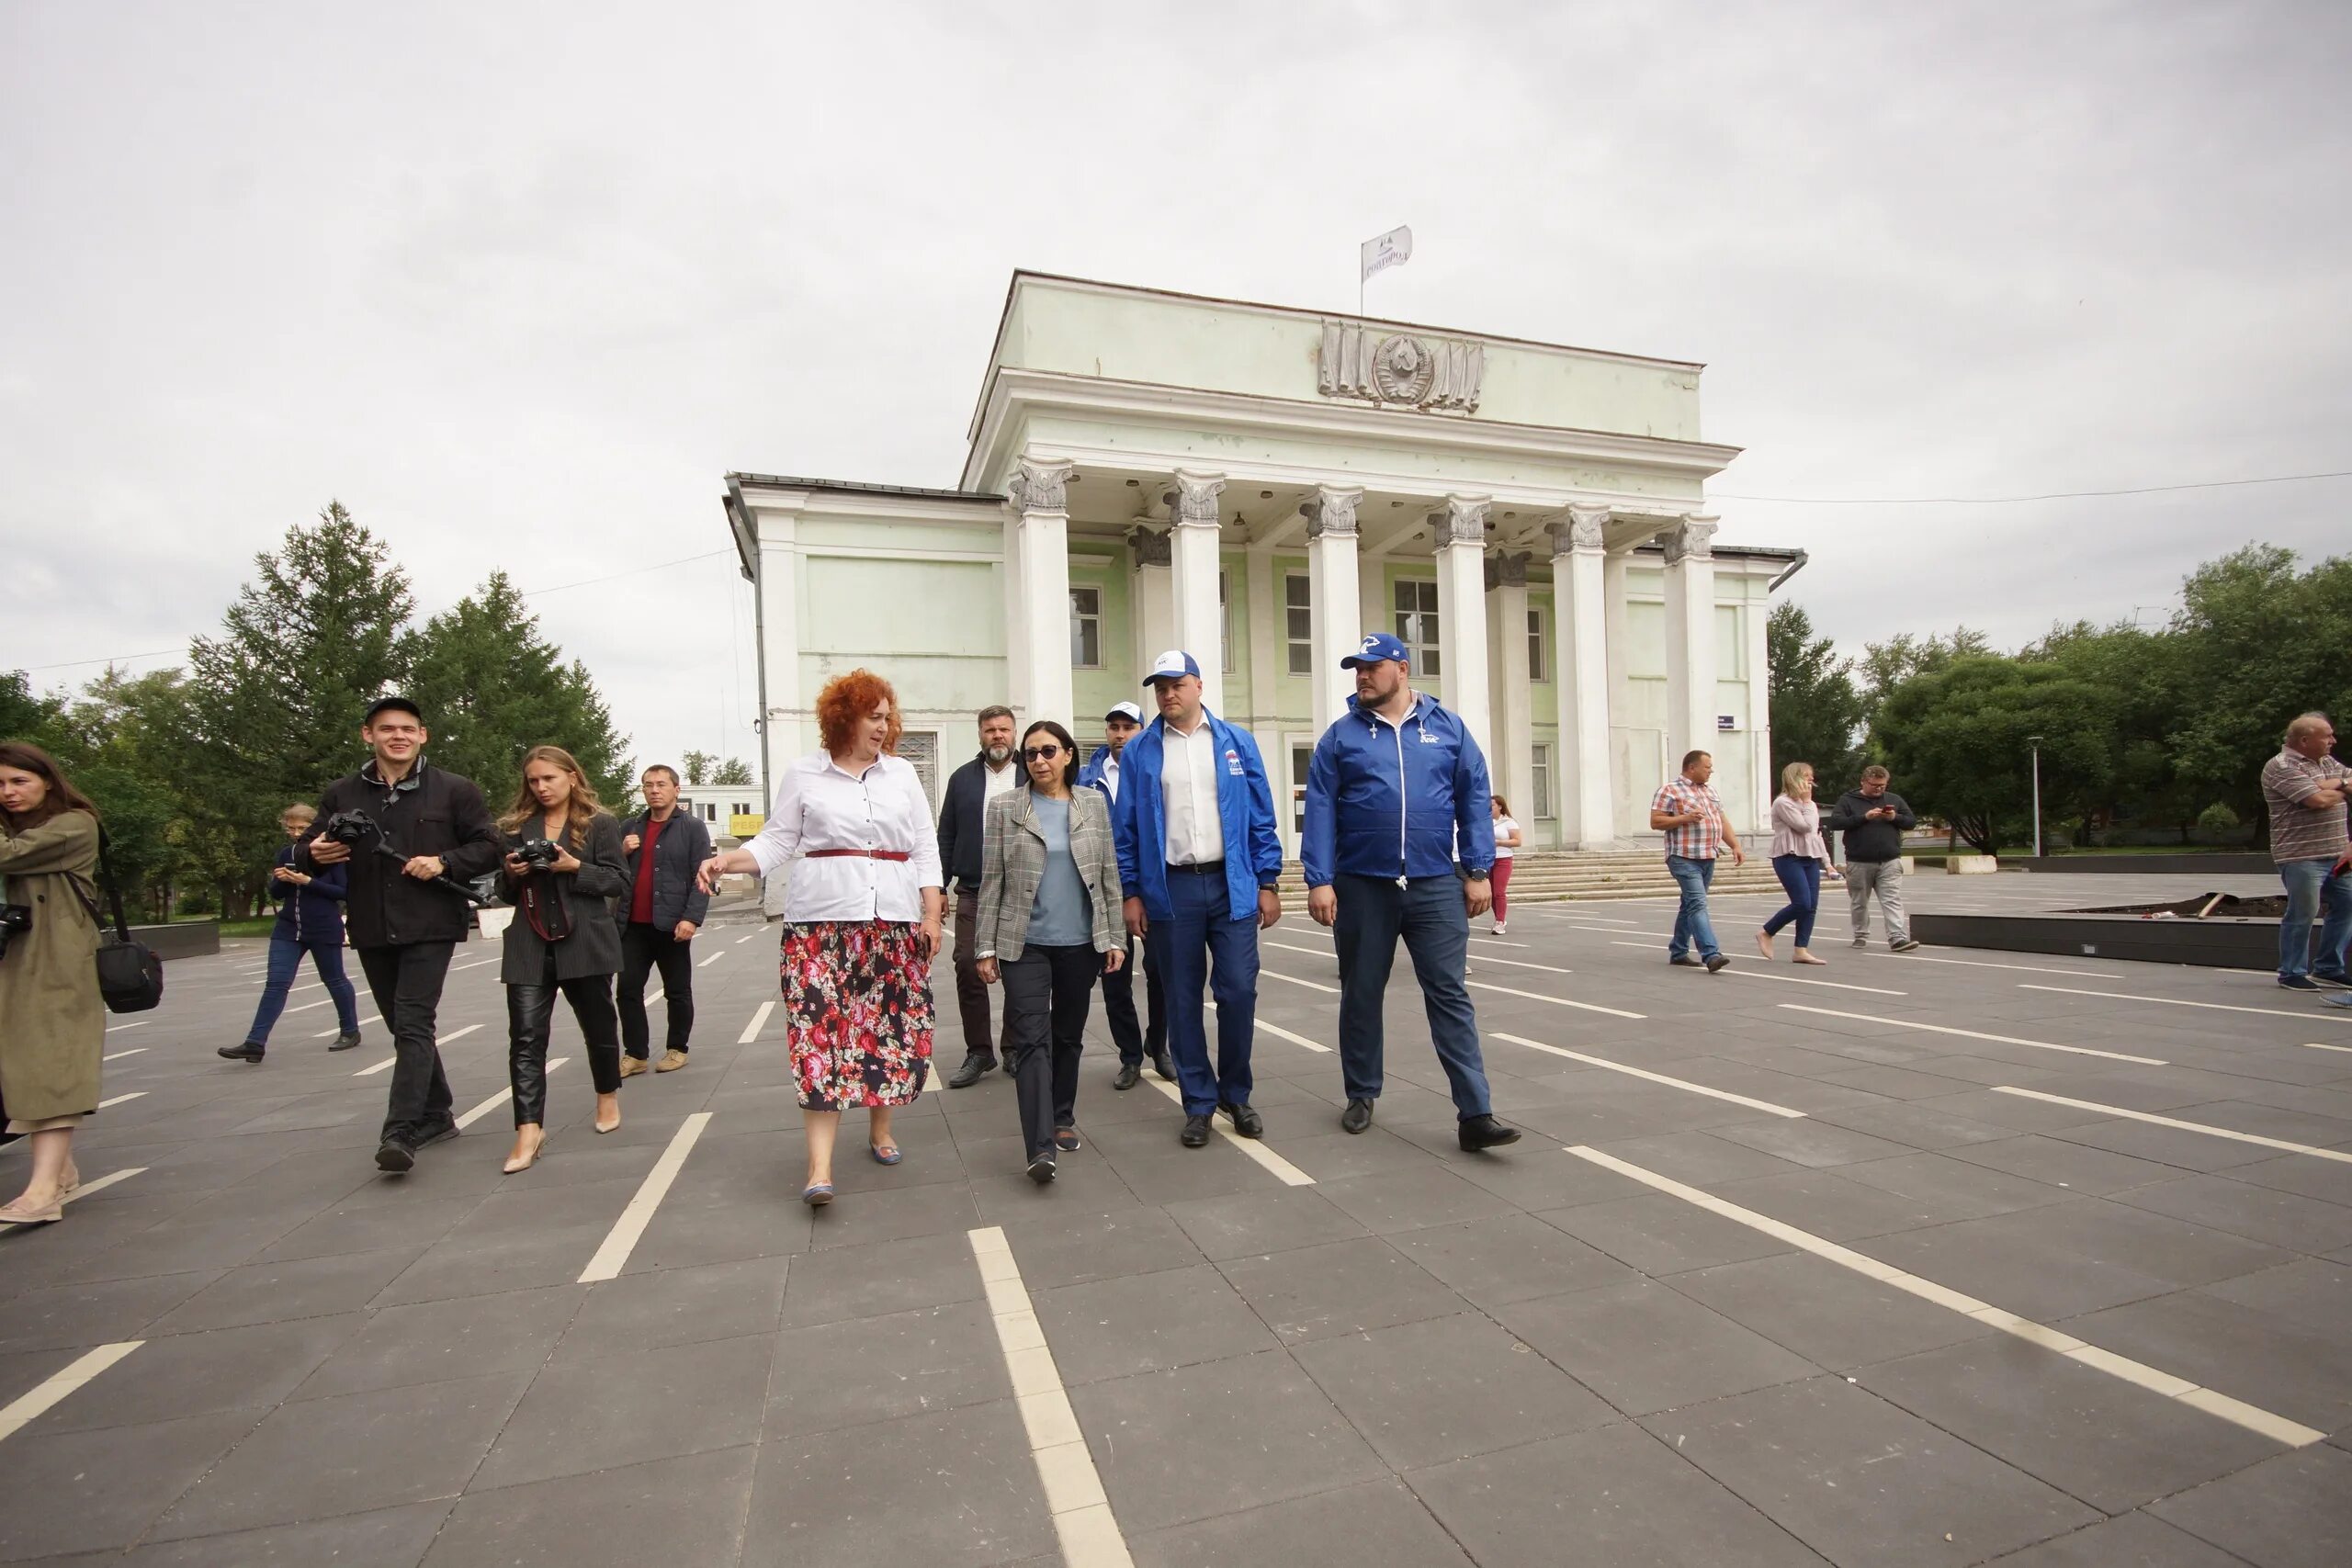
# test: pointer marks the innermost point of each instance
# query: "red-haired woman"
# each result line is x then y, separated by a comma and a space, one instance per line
52, 1023
861, 915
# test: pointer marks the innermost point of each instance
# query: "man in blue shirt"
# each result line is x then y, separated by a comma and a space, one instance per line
1394, 785
1199, 859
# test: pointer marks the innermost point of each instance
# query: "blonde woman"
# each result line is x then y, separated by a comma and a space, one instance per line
563, 868
1799, 855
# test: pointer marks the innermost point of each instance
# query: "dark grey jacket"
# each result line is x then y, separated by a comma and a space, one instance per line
678, 855
431, 812
1867, 840
594, 945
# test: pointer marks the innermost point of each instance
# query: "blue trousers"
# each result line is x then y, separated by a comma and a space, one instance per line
2313, 887
1801, 875
1691, 926
1200, 948
1428, 912
285, 963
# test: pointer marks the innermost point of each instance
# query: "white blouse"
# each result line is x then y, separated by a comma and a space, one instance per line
823, 806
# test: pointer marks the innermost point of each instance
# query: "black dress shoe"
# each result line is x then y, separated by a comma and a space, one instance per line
1008, 1063
1041, 1166
346, 1042
1195, 1133
1245, 1121
1130, 1074
1356, 1117
1164, 1066
975, 1068
248, 1052
395, 1156
1485, 1133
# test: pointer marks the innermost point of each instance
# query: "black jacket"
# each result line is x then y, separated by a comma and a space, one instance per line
309, 914
960, 822
594, 945
678, 855
1868, 841
429, 813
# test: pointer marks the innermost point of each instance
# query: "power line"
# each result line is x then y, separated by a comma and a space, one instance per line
111, 658
2011, 499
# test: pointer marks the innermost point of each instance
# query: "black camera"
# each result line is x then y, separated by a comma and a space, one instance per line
14, 917
538, 855
351, 828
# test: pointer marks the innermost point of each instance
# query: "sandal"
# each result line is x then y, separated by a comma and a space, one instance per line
885, 1154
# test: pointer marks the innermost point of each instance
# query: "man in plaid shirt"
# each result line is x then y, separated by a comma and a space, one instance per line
1696, 834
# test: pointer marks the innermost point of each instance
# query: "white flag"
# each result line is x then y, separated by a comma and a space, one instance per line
1393, 249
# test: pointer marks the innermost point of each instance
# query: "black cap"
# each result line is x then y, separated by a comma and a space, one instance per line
392, 700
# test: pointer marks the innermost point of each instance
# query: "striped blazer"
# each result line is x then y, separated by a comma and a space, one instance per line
1013, 862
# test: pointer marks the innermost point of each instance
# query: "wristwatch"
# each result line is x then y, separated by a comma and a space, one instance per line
1480, 875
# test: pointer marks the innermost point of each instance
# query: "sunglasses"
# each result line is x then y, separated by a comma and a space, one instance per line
1045, 753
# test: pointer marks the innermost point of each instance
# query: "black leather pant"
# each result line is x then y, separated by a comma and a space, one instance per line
529, 1010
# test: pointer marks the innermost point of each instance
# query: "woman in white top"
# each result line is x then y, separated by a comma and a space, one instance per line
1798, 856
1507, 839
861, 915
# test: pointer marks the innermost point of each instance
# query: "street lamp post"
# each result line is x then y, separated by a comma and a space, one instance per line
2035, 741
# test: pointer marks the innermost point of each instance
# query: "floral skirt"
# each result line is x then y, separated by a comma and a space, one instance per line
857, 1012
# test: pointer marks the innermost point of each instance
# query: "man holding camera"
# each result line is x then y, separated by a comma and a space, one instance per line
405, 917
663, 911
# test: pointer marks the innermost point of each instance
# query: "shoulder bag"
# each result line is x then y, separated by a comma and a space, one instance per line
130, 978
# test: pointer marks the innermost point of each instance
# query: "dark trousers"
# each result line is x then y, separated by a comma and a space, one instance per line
1201, 949
643, 949
1801, 875
1428, 913
971, 991
285, 963
406, 983
1046, 993
529, 1011
1119, 1010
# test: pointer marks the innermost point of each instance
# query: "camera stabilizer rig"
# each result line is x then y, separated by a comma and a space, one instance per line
357, 830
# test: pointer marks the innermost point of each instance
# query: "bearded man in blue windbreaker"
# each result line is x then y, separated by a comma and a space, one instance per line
1394, 784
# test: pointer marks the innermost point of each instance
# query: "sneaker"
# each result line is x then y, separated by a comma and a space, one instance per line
632, 1065
2342, 1001
1502, 930
2337, 982
248, 1052
670, 1062
1908, 945
1861, 941
1041, 1166
2286, 983
348, 1040
1718, 963
1065, 1140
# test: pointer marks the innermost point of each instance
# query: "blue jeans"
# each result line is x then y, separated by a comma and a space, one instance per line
1801, 875
1691, 926
2314, 886
285, 963
1201, 948
1429, 914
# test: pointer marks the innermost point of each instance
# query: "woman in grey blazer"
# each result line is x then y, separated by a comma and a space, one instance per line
564, 867
1048, 922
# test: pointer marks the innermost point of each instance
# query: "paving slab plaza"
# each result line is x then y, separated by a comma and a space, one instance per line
1955, 1258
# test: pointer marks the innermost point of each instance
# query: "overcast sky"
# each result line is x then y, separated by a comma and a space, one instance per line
520, 284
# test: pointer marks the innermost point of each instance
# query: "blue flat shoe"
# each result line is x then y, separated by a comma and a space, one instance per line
817, 1194
893, 1158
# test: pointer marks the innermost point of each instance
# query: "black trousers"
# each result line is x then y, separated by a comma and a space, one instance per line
1046, 993
971, 991
406, 982
643, 949
530, 1009
1119, 1010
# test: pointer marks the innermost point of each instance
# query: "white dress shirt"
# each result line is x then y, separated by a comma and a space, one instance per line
1188, 764
823, 805
1111, 777
997, 781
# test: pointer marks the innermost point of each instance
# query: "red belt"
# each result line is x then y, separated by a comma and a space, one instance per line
856, 854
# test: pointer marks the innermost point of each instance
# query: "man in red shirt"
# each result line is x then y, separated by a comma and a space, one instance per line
664, 909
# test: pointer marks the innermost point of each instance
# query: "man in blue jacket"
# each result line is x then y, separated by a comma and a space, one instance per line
1391, 786
309, 920
1105, 772
1194, 822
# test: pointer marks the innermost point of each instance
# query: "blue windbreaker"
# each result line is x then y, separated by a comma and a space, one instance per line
1387, 800
1245, 805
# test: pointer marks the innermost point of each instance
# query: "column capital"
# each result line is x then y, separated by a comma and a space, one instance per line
1691, 539
1506, 569
1151, 546
1333, 511
1040, 484
1580, 528
1194, 498
1463, 521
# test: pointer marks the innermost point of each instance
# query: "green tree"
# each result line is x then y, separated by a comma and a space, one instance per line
698, 765
128, 740
734, 770
25, 715
1958, 739
1886, 665
493, 686
2140, 673
1817, 707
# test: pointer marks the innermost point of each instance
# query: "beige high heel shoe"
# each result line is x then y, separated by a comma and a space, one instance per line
608, 1105
519, 1163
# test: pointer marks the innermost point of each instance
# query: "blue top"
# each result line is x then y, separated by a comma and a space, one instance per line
1387, 799
1063, 915
313, 913
1253, 853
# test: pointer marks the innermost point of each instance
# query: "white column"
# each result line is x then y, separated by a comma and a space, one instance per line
1194, 555
1333, 597
1016, 644
779, 591
1266, 647
1041, 517
1152, 597
1585, 678
1510, 761
1759, 712
1461, 534
1690, 637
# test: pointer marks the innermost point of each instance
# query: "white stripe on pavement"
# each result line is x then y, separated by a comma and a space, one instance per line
1764, 1105
2167, 1001
1555, 1001
30, 1406
1310, 985
2151, 1117
501, 1098
119, 1055
1736, 973
1277, 1031
1973, 1034
623, 1237
1983, 964
712, 959
118, 1099
444, 1040
1289, 1174
371, 1018
103, 1182
116, 1028
758, 1022
745, 937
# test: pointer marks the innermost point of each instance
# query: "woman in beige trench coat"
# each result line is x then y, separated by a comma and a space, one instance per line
52, 1022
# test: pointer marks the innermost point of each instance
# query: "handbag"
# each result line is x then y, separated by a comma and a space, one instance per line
130, 978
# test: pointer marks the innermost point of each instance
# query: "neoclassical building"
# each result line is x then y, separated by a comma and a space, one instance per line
1262, 486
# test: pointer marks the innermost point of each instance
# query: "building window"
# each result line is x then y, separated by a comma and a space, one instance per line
1536, 662
1416, 625
1086, 628
919, 748
1539, 767
1224, 627
1299, 623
